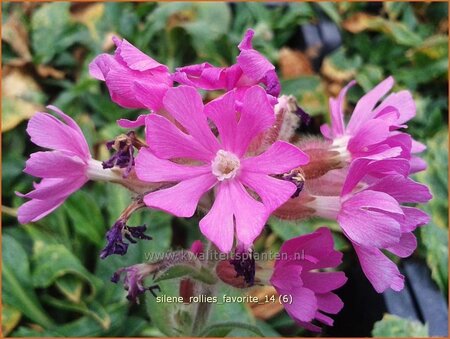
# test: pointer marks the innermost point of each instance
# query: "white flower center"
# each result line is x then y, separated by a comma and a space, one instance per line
225, 165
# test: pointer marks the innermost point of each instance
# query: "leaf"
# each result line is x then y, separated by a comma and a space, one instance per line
340, 67
22, 97
48, 26
177, 271
216, 330
330, 9
90, 17
15, 33
86, 217
369, 76
397, 31
16, 287
392, 326
434, 236
224, 312
52, 262
163, 314
93, 310
434, 47
10, 318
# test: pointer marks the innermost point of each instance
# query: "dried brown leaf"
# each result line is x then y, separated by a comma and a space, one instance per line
294, 64
21, 95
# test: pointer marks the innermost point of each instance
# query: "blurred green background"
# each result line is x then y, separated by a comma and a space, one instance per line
54, 283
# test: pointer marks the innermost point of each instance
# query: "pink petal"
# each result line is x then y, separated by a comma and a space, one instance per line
364, 108
323, 282
324, 319
370, 133
54, 165
246, 42
48, 132
55, 188
414, 218
317, 245
153, 169
257, 115
329, 303
182, 199
403, 103
218, 224
140, 121
403, 189
417, 165
222, 112
280, 158
381, 272
167, 141
326, 131
120, 83
150, 95
35, 209
136, 59
100, 66
359, 168
287, 275
273, 192
365, 219
406, 246
254, 64
250, 215
186, 106
417, 147
204, 76
336, 111
304, 304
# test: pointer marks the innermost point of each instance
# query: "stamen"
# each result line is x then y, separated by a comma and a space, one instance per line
124, 146
244, 265
225, 165
295, 176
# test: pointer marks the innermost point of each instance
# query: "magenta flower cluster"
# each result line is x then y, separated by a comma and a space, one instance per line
235, 160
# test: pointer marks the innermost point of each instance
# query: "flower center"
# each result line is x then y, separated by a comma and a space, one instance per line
225, 165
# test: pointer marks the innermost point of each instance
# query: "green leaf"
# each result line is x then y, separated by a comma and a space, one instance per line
177, 271
166, 316
48, 27
16, 287
10, 318
330, 9
53, 262
218, 329
434, 236
86, 217
392, 326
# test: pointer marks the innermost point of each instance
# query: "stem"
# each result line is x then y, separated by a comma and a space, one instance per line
204, 308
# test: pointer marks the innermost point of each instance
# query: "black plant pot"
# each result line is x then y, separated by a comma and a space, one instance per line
420, 300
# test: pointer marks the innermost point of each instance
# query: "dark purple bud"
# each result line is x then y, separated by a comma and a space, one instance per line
305, 118
272, 82
244, 265
124, 146
134, 280
137, 232
115, 235
296, 177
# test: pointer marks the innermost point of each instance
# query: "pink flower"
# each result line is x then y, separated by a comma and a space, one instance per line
371, 131
63, 170
222, 163
252, 68
370, 214
134, 80
295, 275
